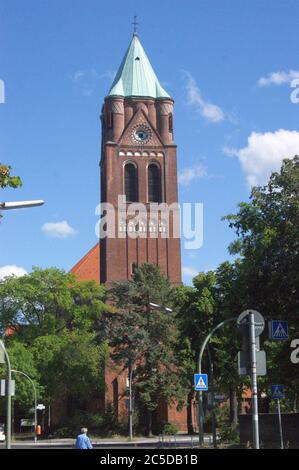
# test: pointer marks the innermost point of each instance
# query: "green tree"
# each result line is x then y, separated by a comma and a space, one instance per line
231, 301
55, 318
213, 298
145, 339
268, 243
47, 301
22, 360
7, 180
196, 308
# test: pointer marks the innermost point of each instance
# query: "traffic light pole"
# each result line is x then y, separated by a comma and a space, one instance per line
254, 399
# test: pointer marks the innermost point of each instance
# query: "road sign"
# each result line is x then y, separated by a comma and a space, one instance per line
12, 388
219, 397
259, 322
127, 403
201, 382
277, 392
40, 407
244, 363
26, 422
216, 399
278, 330
2, 356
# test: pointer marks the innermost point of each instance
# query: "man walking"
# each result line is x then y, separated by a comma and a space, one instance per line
83, 441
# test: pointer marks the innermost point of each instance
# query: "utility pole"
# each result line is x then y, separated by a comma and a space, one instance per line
254, 399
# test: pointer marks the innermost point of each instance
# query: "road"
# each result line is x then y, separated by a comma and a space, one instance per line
147, 443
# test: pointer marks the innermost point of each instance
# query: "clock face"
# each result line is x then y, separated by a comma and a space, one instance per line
141, 134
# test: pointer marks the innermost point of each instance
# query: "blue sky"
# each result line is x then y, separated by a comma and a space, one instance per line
228, 65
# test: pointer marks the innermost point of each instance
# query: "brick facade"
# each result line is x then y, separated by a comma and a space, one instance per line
119, 148
113, 258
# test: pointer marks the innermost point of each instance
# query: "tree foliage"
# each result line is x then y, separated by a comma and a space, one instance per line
145, 339
7, 180
52, 322
268, 243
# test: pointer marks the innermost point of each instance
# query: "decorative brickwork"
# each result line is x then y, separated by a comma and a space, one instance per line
138, 130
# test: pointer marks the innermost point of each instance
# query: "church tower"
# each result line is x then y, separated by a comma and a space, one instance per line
138, 160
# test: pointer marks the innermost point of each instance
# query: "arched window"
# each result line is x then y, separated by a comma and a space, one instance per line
154, 183
170, 122
131, 183
110, 120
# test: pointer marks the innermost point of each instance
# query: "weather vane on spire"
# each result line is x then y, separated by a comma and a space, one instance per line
135, 24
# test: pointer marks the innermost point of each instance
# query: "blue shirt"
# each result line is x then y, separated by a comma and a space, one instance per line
83, 442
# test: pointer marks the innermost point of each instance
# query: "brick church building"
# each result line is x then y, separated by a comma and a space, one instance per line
138, 160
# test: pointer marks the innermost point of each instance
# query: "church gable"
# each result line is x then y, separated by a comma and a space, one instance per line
139, 131
88, 268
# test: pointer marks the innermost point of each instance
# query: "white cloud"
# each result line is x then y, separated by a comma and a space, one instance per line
195, 172
209, 111
11, 270
264, 154
58, 229
86, 80
189, 271
278, 78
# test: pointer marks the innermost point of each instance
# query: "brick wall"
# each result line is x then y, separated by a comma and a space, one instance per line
269, 429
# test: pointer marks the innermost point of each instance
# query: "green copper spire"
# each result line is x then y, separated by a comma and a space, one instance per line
135, 76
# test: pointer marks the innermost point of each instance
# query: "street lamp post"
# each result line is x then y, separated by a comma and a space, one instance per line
35, 399
8, 397
9, 206
200, 405
4, 206
160, 307
166, 310
131, 370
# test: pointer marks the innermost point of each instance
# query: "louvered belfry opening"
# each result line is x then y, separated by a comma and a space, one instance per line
131, 183
154, 183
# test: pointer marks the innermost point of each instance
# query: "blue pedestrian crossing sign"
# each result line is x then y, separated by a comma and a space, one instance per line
279, 330
201, 382
277, 392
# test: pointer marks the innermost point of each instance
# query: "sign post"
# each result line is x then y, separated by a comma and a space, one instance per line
253, 324
280, 425
278, 393
255, 413
200, 385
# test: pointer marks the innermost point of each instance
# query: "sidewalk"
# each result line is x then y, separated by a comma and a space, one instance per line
169, 441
